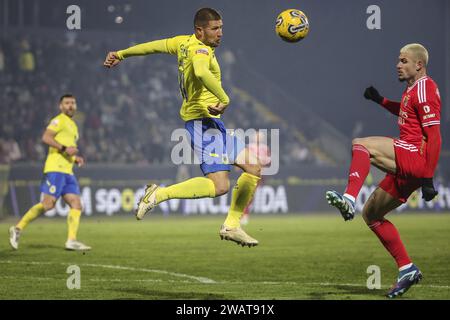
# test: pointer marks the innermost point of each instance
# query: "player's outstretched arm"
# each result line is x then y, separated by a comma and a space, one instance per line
157, 46
372, 94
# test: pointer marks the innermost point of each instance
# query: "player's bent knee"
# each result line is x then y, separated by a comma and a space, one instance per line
76, 206
254, 169
370, 215
221, 187
365, 142
367, 218
358, 141
48, 204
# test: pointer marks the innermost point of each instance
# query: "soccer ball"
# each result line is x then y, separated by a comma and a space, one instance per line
292, 25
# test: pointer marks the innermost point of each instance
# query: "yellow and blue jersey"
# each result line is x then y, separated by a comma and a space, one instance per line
199, 73
200, 84
66, 134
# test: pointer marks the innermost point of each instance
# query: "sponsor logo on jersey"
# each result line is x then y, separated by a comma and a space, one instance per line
403, 114
428, 116
202, 51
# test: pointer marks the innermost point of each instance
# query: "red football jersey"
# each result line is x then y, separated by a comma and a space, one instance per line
420, 107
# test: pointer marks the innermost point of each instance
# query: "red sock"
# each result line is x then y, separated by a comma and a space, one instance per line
359, 169
390, 238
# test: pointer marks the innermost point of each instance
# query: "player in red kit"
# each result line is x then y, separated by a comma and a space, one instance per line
409, 162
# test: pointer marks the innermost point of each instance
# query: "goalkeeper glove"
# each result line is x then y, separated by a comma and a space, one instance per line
372, 94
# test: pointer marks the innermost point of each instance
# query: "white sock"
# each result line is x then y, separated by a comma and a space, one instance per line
350, 197
406, 266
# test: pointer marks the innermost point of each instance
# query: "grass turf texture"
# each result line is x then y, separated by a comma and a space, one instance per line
299, 257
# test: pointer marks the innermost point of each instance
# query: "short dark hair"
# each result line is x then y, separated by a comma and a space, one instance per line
204, 15
67, 95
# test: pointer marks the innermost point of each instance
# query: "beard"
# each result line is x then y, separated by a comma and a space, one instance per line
70, 113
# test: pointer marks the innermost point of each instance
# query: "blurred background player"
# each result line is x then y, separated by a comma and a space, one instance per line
409, 161
204, 100
61, 136
259, 149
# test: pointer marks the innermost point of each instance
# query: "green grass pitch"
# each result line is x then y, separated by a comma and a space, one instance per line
299, 257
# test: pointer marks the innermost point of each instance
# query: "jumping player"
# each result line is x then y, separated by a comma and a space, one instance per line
204, 100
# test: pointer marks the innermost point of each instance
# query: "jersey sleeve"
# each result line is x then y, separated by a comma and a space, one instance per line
201, 58
429, 104
55, 125
173, 43
392, 106
433, 149
168, 45
203, 53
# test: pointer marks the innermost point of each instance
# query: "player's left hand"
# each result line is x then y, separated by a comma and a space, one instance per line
79, 161
111, 60
217, 109
428, 191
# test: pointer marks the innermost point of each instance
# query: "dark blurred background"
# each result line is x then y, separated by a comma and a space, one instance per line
312, 90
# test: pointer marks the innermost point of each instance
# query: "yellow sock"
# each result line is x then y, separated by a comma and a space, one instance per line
199, 187
31, 214
242, 194
73, 221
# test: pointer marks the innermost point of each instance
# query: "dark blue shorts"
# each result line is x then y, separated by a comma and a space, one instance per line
57, 184
216, 148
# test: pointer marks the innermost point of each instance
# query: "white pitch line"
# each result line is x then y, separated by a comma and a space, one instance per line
199, 279
175, 274
116, 267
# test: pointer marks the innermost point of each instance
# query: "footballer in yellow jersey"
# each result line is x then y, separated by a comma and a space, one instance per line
204, 100
61, 136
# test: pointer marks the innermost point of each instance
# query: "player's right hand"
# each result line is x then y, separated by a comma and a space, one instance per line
217, 109
372, 94
428, 191
79, 161
71, 151
112, 60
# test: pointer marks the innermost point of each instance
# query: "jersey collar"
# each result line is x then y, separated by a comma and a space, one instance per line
417, 81
196, 39
65, 116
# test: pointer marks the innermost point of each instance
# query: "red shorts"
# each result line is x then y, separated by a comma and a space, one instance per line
410, 169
